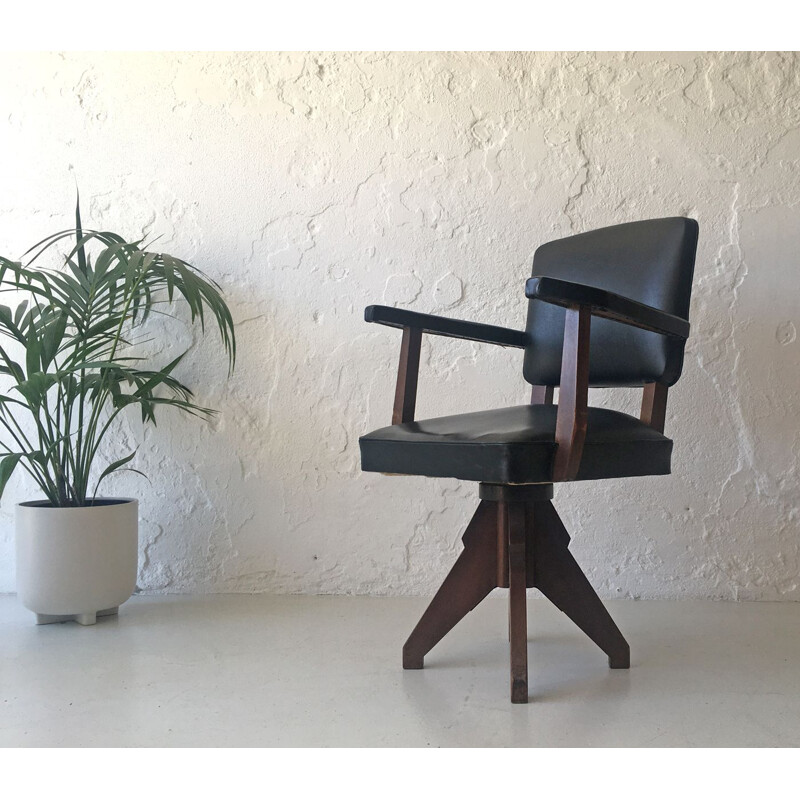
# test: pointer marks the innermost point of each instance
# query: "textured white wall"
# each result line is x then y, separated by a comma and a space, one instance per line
311, 185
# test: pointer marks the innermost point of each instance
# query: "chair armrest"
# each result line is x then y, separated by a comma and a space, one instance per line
413, 326
606, 304
444, 326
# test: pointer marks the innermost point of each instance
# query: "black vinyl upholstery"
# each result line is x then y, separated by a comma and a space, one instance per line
639, 272
514, 445
651, 262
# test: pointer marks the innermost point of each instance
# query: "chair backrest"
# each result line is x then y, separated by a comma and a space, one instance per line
651, 261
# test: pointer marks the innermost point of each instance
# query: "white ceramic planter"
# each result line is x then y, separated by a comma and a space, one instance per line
76, 563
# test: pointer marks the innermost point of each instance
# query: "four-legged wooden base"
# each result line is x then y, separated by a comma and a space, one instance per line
516, 540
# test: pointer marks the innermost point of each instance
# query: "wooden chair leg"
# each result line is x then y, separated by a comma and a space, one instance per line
516, 542
557, 575
514, 519
473, 576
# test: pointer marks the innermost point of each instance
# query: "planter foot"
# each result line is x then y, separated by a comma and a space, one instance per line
81, 619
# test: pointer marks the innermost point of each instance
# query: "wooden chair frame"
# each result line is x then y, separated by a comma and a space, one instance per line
516, 539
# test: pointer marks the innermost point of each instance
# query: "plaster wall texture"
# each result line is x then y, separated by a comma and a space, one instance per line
310, 185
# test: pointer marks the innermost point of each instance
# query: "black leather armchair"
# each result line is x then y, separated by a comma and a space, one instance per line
606, 308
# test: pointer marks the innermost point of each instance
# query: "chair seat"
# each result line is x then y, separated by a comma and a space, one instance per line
514, 445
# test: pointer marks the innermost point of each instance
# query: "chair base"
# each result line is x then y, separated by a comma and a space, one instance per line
516, 541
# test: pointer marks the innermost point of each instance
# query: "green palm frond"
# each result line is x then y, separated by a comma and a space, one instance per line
77, 326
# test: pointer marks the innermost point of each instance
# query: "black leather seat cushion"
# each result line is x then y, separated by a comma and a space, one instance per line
514, 445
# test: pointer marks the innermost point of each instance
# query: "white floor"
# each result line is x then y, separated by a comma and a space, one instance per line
255, 670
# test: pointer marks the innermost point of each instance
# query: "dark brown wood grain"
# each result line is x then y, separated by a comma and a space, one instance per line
654, 406
405, 396
573, 394
473, 576
517, 606
541, 395
502, 546
518, 544
515, 492
559, 578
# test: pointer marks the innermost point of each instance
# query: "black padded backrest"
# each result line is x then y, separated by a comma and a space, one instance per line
650, 261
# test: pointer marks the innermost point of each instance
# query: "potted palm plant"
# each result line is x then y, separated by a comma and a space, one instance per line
72, 360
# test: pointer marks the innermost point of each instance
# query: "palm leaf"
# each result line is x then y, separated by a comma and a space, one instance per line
112, 468
7, 466
78, 326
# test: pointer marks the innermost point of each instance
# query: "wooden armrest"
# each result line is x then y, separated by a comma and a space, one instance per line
445, 326
582, 302
405, 393
413, 325
606, 304
573, 396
